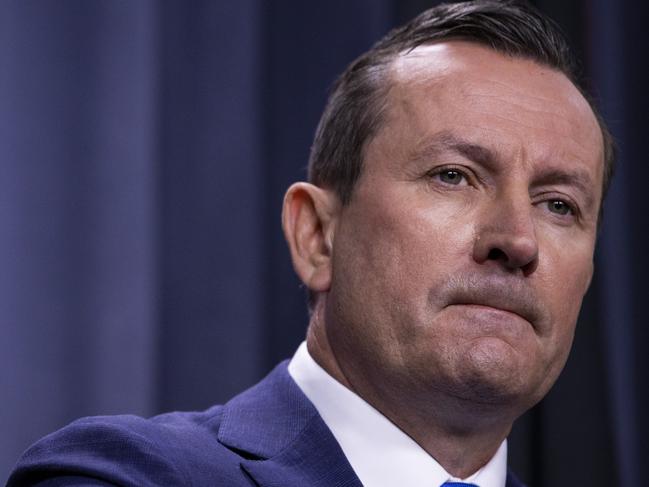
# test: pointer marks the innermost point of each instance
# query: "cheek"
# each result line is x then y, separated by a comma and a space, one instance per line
567, 275
564, 284
401, 246
373, 258
389, 260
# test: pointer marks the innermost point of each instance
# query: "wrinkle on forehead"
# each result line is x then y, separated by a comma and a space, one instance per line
473, 64
458, 80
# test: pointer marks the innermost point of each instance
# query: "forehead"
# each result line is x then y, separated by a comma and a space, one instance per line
495, 99
457, 66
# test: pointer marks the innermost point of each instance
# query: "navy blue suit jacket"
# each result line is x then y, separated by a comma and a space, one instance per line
270, 435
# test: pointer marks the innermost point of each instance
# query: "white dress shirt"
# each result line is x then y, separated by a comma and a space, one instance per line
380, 453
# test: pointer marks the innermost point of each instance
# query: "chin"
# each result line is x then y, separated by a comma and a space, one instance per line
493, 372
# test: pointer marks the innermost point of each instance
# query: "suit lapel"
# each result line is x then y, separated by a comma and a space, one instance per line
282, 437
313, 459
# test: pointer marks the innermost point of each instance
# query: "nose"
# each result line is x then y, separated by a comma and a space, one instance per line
506, 235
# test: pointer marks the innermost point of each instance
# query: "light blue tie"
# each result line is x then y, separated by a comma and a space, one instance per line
457, 484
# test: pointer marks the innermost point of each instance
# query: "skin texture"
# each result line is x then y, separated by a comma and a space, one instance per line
450, 285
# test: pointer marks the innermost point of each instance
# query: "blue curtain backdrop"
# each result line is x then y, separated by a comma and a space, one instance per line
144, 150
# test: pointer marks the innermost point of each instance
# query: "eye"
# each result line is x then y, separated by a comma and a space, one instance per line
450, 176
560, 207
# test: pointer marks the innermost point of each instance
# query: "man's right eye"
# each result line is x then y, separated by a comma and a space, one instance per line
451, 176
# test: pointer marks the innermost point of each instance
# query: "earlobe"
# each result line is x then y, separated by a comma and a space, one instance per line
308, 220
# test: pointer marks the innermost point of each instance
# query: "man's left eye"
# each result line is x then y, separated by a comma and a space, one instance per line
559, 207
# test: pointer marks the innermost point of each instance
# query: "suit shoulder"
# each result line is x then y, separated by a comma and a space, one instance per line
170, 449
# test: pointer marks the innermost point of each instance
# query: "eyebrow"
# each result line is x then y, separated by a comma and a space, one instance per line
447, 142
576, 178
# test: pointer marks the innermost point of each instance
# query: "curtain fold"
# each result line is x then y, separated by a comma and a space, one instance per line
607, 45
77, 215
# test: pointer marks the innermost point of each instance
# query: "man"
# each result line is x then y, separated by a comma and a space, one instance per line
446, 238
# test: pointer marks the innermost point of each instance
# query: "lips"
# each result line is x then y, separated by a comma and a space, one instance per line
502, 305
505, 295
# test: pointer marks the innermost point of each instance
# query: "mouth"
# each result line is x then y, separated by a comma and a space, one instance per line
480, 320
493, 309
502, 305
496, 297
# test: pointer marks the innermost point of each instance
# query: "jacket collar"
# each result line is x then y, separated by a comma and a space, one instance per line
283, 437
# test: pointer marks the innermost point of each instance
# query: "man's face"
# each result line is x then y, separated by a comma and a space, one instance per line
460, 264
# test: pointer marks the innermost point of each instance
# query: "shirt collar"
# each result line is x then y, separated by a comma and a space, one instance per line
380, 453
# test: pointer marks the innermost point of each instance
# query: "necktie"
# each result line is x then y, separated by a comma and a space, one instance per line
457, 484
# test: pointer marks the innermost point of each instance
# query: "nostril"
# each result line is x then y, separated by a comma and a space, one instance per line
507, 249
528, 266
497, 254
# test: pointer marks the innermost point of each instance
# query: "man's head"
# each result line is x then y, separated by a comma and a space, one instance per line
449, 234
355, 110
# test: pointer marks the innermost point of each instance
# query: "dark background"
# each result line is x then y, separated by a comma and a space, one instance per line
144, 150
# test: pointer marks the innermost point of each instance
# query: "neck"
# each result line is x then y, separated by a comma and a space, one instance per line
461, 436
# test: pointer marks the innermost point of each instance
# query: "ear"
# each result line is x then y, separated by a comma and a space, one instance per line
308, 218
